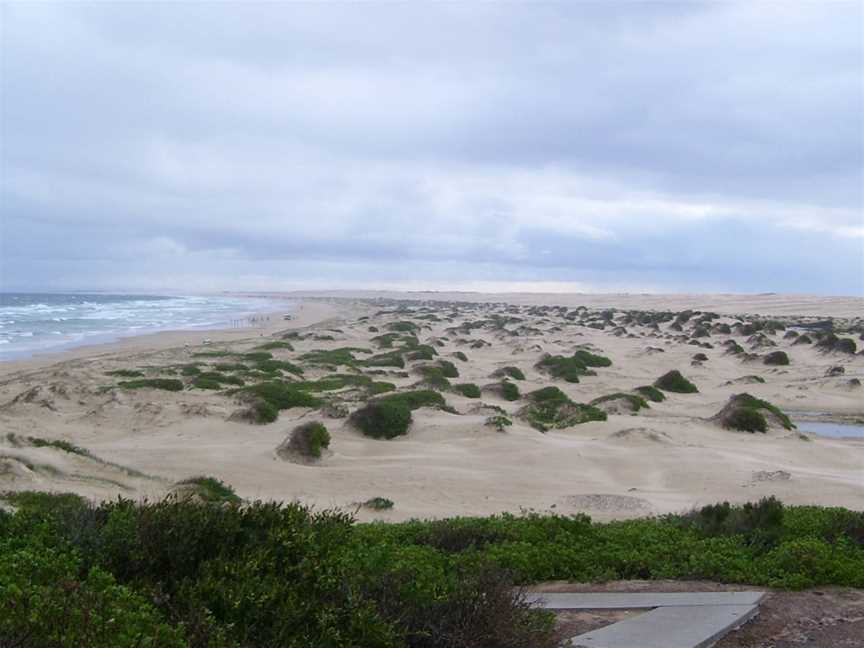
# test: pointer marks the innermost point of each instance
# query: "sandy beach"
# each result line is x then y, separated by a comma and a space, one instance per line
666, 458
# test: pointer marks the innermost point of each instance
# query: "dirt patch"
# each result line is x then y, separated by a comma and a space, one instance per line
607, 503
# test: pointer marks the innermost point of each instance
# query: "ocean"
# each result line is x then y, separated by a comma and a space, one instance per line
31, 323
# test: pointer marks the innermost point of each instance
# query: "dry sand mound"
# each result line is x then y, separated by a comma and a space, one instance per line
636, 434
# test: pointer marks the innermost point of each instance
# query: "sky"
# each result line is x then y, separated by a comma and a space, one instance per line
589, 147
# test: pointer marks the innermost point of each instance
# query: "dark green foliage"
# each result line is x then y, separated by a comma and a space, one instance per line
509, 391
276, 344
569, 369
830, 342
206, 378
550, 408
433, 378
386, 340
167, 384
651, 393
281, 395
309, 439
460, 356
392, 359
776, 358
213, 354
230, 366
448, 369
499, 422
746, 420
257, 356
512, 372
375, 388
38, 442
335, 357
212, 490
635, 402
415, 399
378, 503
260, 412
275, 366
740, 404
333, 382
190, 370
469, 390
403, 327
180, 573
673, 381
700, 357
383, 419
591, 360
125, 373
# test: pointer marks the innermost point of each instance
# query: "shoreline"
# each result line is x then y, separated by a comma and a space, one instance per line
304, 313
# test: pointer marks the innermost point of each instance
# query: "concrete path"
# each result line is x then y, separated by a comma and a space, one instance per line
677, 620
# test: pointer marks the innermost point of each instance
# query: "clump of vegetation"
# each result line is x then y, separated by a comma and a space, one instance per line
469, 390
391, 359
776, 358
275, 366
215, 380
700, 357
275, 344
433, 378
189, 370
416, 399
673, 381
306, 441
213, 354
280, 395
748, 414
550, 408
74, 573
378, 504
230, 366
651, 393
333, 357
125, 373
830, 342
257, 411
565, 368
499, 421
510, 372
383, 419
403, 327
209, 489
166, 384
257, 356
591, 359
631, 402
459, 355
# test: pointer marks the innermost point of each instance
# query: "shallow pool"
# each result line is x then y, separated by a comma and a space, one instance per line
835, 430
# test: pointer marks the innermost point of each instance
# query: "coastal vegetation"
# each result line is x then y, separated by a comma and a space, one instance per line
673, 381
204, 572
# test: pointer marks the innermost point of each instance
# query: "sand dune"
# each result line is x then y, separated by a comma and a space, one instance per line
667, 457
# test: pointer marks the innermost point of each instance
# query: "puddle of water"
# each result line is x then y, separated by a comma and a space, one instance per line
833, 430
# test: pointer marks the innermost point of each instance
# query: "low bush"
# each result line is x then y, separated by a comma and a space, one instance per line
509, 372
306, 440
166, 384
209, 489
568, 369
673, 381
125, 373
550, 408
378, 503
469, 390
383, 419
276, 344
651, 393
591, 360
280, 395
776, 358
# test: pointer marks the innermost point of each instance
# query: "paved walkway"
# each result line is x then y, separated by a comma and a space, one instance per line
676, 620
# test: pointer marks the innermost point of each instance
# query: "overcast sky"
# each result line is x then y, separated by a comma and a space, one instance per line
609, 146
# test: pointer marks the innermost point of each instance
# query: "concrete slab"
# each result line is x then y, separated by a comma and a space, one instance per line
623, 600
698, 626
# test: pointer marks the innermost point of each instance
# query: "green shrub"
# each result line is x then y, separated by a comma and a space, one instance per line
740, 414
403, 327
309, 439
280, 395
230, 366
499, 422
334, 357
210, 489
190, 370
416, 399
257, 356
275, 366
217, 378
469, 390
125, 373
166, 384
509, 391
392, 359
776, 358
511, 372
550, 408
378, 503
651, 393
460, 356
568, 369
634, 402
673, 381
383, 419
433, 378
276, 344
591, 360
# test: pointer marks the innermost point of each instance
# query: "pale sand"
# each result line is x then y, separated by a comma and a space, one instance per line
667, 459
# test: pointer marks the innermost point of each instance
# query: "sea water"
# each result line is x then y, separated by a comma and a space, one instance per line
42, 322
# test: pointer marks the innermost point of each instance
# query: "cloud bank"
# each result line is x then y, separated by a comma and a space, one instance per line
637, 147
